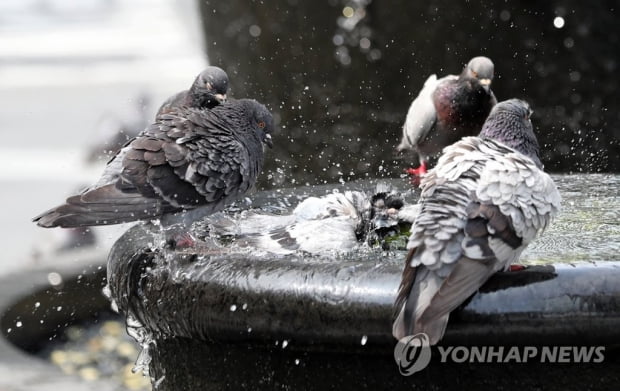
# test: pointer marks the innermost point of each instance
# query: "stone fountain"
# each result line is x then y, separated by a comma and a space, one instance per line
217, 318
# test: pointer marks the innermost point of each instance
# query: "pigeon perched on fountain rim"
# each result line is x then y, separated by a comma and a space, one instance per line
483, 203
188, 160
447, 109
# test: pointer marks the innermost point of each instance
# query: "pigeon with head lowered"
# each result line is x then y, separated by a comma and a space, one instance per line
333, 223
188, 164
447, 109
208, 90
483, 203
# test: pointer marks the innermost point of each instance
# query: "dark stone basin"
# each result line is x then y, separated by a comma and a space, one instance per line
36, 306
238, 321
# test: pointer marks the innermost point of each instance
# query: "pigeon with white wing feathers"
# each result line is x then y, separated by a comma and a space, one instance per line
483, 203
447, 109
335, 222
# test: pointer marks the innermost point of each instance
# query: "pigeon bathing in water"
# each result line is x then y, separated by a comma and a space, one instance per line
186, 165
208, 90
483, 203
448, 109
336, 222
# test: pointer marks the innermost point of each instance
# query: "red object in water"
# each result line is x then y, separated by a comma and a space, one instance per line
516, 268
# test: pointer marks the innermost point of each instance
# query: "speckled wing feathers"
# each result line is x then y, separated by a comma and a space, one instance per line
188, 158
480, 207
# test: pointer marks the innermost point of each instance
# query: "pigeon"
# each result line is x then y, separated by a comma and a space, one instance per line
208, 90
189, 163
483, 203
334, 223
447, 109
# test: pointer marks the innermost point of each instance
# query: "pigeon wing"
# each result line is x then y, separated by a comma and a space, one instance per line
175, 101
421, 116
198, 161
185, 159
481, 206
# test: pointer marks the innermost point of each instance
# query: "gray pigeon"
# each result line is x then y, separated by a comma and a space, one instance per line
483, 203
336, 222
186, 165
447, 109
208, 90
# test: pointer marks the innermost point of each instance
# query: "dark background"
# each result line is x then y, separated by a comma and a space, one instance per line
340, 87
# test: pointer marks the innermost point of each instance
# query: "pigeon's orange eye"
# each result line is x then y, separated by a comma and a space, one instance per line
474, 73
261, 124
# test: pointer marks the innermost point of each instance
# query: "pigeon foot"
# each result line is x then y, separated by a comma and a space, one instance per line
416, 173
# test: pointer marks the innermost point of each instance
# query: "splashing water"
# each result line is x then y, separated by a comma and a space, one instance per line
144, 338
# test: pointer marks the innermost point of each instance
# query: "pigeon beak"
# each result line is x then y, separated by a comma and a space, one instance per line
220, 97
486, 83
268, 141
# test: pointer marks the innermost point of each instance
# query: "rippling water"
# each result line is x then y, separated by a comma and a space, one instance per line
588, 226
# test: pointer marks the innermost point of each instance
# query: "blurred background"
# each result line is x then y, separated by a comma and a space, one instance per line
339, 76
72, 74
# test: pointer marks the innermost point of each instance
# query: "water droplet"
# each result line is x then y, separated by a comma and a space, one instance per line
244, 306
365, 43
59, 308
37, 305
364, 340
504, 15
558, 22
348, 12
284, 344
297, 361
54, 279
158, 382
18, 324
255, 31
233, 308
9, 330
